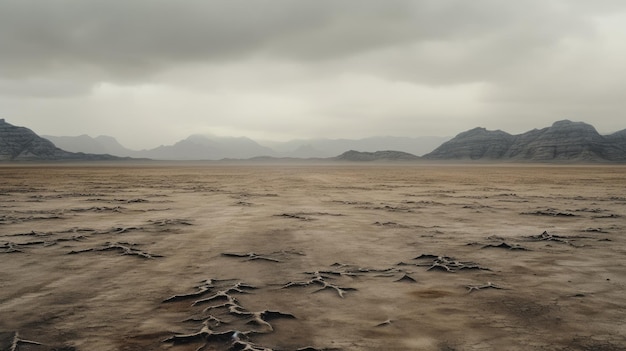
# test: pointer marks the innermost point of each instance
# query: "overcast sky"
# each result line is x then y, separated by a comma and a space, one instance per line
152, 72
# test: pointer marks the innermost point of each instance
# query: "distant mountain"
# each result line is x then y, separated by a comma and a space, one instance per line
195, 147
474, 144
84, 143
619, 138
200, 147
22, 144
564, 141
376, 156
333, 147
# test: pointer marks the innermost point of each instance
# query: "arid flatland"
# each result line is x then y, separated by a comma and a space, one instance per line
350, 257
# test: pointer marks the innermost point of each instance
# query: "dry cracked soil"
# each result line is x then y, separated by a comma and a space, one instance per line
312, 257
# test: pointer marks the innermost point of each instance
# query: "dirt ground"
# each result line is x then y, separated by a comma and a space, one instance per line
312, 257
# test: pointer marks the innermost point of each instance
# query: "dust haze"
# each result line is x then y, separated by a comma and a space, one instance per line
315, 257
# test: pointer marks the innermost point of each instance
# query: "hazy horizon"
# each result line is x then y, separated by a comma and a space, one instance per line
242, 147
152, 73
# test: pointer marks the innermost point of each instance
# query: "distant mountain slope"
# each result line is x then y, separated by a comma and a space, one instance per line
563, 141
200, 147
195, 147
376, 156
333, 147
619, 138
474, 144
84, 143
22, 144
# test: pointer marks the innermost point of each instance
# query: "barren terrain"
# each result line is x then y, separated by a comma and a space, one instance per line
377, 257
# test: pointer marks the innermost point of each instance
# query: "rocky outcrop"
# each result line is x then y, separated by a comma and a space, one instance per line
477, 143
618, 138
564, 141
22, 144
376, 156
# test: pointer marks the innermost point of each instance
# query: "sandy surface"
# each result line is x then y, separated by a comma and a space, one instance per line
531, 258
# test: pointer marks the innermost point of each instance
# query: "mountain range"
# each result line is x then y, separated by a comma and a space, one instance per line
564, 141
22, 144
203, 147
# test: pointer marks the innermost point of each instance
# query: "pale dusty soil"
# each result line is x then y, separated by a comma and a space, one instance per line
351, 224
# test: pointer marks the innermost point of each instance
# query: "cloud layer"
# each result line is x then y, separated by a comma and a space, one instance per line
282, 69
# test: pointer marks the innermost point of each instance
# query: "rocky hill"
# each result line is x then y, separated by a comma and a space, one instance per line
376, 156
564, 141
474, 144
619, 138
22, 144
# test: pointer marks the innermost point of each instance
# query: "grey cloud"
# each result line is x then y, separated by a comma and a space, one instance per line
42, 88
323, 66
127, 40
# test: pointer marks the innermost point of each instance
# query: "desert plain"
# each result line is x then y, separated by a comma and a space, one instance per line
312, 257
